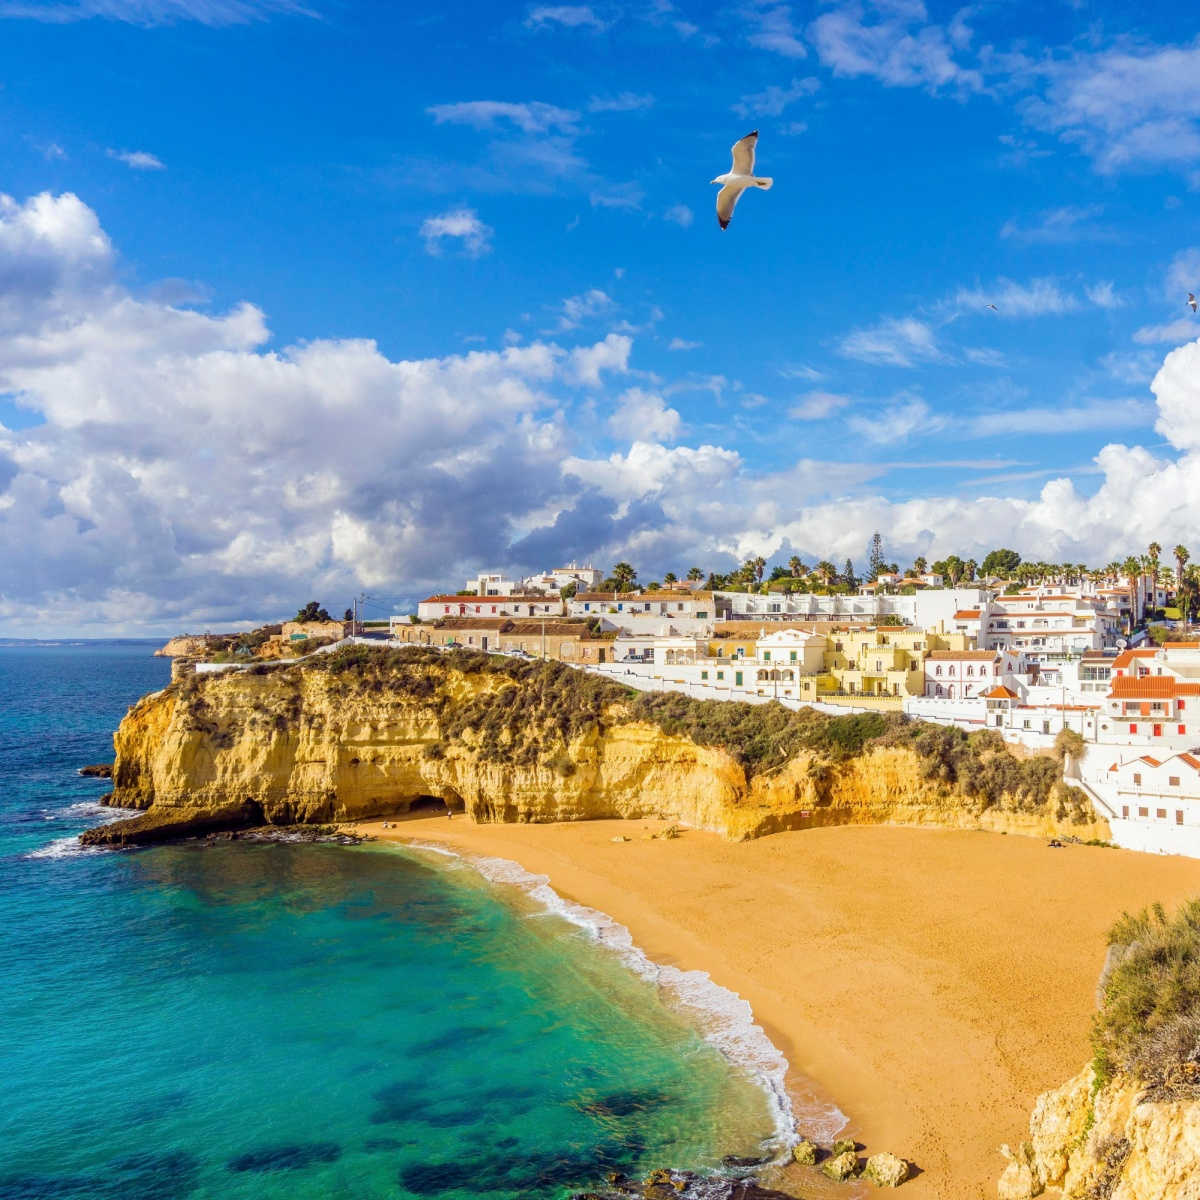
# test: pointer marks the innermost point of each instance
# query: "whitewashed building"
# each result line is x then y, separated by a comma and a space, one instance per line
434, 608
1156, 803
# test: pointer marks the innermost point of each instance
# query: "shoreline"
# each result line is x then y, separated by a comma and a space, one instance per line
899, 969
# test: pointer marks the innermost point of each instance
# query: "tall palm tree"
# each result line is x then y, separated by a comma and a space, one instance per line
695, 573
827, 571
670, 579
972, 569
919, 565
1181, 557
624, 575
794, 565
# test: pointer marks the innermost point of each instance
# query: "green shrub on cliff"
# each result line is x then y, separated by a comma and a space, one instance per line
1149, 1023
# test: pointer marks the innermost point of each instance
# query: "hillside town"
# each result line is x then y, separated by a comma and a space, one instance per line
1029, 653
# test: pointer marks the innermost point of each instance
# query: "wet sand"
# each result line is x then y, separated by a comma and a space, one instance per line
932, 982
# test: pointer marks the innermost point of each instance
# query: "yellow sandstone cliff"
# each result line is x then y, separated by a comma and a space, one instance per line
312, 745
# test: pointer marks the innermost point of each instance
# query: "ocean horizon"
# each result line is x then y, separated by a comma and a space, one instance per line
236, 1020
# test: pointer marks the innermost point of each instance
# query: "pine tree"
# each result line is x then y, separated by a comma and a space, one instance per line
848, 575
875, 562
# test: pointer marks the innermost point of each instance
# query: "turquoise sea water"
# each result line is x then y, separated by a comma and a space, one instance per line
316, 1021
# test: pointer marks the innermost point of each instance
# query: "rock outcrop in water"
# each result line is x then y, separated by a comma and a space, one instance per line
370, 732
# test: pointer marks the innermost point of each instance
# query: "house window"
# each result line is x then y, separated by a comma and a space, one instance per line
1137, 779
1125, 812
1181, 729
720, 674
737, 679
703, 674
1173, 780
939, 671
766, 656
1133, 727
1179, 816
791, 656
1161, 813
1143, 812
970, 670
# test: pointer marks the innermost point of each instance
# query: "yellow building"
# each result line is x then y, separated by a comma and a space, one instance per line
885, 662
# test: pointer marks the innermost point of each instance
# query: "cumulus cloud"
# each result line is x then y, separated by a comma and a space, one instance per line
644, 415
678, 343
772, 29
679, 214
459, 224
577, 309
1037, 298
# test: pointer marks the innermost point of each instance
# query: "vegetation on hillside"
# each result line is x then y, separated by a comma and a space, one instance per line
534, 710
1148, 1026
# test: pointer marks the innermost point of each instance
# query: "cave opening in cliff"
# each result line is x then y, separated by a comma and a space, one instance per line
428, 803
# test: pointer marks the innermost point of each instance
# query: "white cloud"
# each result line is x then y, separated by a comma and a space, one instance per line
895, 341
577, 309
572, 16
617, 195
642, 416
531, 116
622, 102
678, 343
774, 100
1131, 106
1183, 276
680, 215
612, 354
816, 406
154, 12
1037, 298
458, 224
1059, 225
1103, 294
139, 160
774, 31
897, 422
1174, 331
896, 48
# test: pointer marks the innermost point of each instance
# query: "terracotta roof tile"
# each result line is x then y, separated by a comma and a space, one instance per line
1151, 687
1000, 692
1127, 657
989, 655
967, 614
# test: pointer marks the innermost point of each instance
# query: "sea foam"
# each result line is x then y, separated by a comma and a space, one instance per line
724, 1019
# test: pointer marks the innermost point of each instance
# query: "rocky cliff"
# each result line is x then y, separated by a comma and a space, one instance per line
1116, 1142
374, 733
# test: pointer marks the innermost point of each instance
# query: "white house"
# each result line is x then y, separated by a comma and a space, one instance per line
792, 650
963, 674
491, 583
586, 578
1157, 802
433, 608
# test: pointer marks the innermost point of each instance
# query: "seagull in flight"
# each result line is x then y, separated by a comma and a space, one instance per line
992, 307
738, 178
1192, 301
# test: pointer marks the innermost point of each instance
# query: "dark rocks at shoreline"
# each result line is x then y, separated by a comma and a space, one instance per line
239, 822
97, 771
681, 1185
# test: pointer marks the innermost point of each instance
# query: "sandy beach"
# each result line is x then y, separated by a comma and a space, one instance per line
931, 982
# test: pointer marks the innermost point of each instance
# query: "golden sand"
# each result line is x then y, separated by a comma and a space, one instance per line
932, 982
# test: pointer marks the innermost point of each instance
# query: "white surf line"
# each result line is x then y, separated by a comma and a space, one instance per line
724, 1019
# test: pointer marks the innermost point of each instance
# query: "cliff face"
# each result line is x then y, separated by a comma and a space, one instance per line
308, 745
1107, 1143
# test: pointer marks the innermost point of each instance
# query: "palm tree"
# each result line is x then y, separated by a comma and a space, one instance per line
972, 569
919, 565
760, 564
624, 575
670, 579
695, 573
827, 571
1181, 557
794, 566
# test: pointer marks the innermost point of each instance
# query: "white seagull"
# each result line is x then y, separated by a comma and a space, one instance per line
1192, 301
738, 178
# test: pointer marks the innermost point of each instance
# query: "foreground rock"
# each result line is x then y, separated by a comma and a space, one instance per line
1107, 1141
681, 1185
886, 1170
841, 1166
97, 771
174, 824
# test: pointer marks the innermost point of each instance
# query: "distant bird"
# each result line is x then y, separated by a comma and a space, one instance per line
738, 178
992, 307
1192, 301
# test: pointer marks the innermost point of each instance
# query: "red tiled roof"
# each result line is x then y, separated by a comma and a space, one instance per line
990, 655
1151, 687
482, 600
1126, 657
1000, 692
1191, 760
966, 614
1152, 761
1181, 645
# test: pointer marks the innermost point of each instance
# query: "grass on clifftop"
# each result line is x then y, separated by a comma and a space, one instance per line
533, 710
1149, 1024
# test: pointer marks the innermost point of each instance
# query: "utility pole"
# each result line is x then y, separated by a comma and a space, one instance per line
543, 637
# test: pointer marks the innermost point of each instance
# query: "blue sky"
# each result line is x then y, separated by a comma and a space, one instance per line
307, 299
